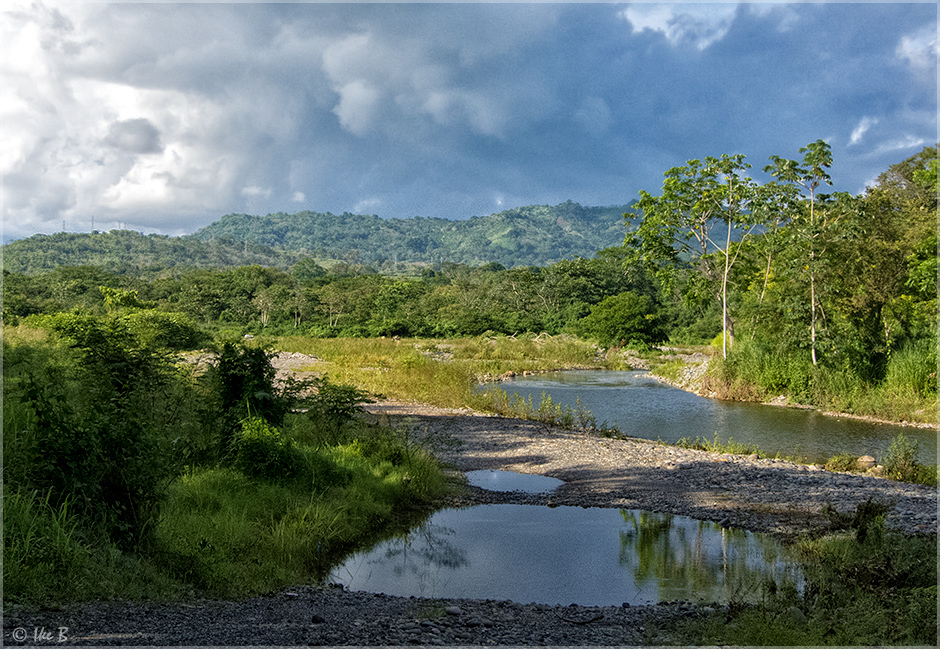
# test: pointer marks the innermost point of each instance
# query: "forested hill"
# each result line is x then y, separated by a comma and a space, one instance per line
133, 253
526, 236
537, 235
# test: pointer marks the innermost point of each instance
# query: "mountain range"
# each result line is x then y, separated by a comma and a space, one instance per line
535, 235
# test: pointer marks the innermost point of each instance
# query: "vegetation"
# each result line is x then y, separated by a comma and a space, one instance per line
533, 235
128, 475
866, 587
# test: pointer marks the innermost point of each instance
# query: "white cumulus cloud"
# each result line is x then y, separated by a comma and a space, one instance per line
919, 48
700, 25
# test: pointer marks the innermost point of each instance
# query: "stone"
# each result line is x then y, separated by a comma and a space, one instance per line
792, 616
453, 610
865, 462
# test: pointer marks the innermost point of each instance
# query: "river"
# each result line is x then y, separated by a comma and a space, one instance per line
642, 406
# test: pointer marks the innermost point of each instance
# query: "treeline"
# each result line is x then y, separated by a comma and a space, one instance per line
817, 294
127, 252
534, 235
600, 297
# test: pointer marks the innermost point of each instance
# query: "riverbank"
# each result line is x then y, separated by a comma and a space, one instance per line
689, 372
782, 498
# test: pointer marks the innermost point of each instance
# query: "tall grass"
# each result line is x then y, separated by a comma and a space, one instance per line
233, 535
413, 369
866, 587
756, 372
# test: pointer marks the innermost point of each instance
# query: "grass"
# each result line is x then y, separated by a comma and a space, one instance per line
717, 446
409, 369
908, 392
279, 507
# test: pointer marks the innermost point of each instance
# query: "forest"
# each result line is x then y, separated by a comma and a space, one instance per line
149, 451
533, 235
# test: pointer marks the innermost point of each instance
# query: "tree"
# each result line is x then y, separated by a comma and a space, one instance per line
705, 211
624, 318
817, 158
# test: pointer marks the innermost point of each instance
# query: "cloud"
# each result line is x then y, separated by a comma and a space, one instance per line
699, 25
357, 108
919, 48
864, 124
134, 136
164, 116
254, 190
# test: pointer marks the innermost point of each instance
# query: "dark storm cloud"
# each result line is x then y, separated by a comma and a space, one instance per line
166, 116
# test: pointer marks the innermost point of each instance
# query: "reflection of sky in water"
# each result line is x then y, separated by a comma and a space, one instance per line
510, 481
644, 407
565, 555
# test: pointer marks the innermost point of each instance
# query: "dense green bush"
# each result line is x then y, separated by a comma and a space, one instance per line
173, 331
624, 318
261, 452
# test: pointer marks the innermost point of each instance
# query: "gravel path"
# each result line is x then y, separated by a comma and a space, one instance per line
772, 496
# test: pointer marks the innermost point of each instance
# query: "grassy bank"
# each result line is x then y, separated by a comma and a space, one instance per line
438, 372
906, 393
127, 476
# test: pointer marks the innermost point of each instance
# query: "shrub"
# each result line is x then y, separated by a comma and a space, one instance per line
627, 317
260, 452
173, 331
900, 461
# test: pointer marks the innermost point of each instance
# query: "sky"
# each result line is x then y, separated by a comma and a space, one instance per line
162, 117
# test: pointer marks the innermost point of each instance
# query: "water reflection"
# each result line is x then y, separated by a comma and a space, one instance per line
567, 555
700, 556
495, 480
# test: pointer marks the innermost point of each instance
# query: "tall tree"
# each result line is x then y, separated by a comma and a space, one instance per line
808, 177
705, 211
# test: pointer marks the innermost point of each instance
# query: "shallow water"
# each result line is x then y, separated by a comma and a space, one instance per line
642, 406
569, 555
509, 481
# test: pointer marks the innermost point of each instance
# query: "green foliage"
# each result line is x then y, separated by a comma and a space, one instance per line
900, 463
261, 452
242, 382
843, 462
172, 331
717, 446
89, 431
49, 558
624, 319
98, 503
868, 588
537, 234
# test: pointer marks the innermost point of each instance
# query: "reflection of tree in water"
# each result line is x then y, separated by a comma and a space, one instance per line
684, 558
425, 547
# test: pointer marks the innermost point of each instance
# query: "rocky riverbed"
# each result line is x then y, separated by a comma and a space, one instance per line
782, 498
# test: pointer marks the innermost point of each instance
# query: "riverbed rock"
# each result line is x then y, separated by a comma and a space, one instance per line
865, 462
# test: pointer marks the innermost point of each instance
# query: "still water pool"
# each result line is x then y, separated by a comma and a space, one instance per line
642, 406
569, 555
